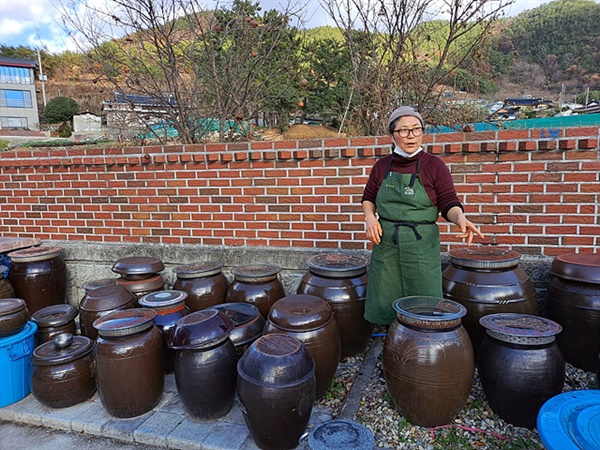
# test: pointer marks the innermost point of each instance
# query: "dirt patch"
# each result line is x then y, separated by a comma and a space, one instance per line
300, 131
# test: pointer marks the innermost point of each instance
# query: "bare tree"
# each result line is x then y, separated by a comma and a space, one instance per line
204, 69
401, 55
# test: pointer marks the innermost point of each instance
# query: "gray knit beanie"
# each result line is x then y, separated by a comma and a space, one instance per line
404, 111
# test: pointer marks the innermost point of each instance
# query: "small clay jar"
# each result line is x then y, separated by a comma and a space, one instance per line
139, 288
309, 319
6, 289
170, 307
54, 320
102, 301
248, 324
63, 372
95, 284
129, 362
204, 283
257, 284
14, 315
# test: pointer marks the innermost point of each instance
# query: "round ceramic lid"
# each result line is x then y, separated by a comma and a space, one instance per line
106, 298
54, 315
138, 265
148, 284
11, 306
429, 312
300, 312
33, 254
198, 269
522, 329
256, 272
163, 300
95, 284
571, 420
341, 435
62, 349
484, 257
584, 267
337, 265
200, 329
240, 312
125, 322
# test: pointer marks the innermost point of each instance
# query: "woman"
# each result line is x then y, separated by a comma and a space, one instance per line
406, 192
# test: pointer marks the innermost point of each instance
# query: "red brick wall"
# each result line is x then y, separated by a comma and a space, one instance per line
535, 191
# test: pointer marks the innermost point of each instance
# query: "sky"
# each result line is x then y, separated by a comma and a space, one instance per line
35, 23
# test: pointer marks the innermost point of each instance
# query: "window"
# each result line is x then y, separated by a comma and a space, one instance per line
15, 99
17, 75
14, 122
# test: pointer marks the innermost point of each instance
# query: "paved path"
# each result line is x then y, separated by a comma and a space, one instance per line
30, 425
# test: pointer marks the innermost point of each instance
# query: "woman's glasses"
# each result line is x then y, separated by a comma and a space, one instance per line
404, 132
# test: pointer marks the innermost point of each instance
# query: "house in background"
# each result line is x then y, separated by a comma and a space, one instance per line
136, 111
18, 100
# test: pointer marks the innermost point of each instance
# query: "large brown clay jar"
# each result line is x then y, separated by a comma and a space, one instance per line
100, 302
309, 319
257, 284
54, 320
203, 282
63, 372
276, 390
486, 281
129, 362
573, 301
39, 276
428, 360
341, 280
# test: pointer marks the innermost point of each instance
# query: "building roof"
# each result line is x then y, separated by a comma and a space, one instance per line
14, 62
145, 100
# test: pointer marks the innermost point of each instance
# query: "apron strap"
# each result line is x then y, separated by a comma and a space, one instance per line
412, 225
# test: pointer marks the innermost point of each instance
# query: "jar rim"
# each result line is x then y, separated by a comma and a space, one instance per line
429, 312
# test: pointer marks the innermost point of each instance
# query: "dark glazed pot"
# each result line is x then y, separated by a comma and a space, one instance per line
341, 280
248, 324
6, 289
520, 365
428, 360
276, 390
138, 267
169, 307
39, 276
63, 372
102, 301
487, 281
573, 300
309, 319
256, 284
129, 362
205, 371
139, 288
13, 316
204, 283
54, 320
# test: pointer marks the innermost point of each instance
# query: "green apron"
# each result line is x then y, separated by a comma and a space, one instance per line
407, 260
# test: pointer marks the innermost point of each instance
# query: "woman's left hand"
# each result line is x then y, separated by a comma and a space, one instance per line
468, 230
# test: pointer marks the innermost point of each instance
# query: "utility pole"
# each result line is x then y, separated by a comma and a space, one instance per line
43, 78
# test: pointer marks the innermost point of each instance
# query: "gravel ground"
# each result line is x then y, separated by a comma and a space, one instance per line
476, 427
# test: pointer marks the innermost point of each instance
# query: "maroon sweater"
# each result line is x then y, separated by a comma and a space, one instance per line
435, 177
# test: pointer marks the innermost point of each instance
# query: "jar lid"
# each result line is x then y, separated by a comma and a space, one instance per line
154, 283
33, 254
163, 300
300, 312
341, 435
584, 267
521, 329
106, 298
54, 315
62, 349
200, 329
429, 312
484, 257
337, 265
95, 284
198, 269
138, 265
256, 273
11, 306
125, 322
239, 312
278, 360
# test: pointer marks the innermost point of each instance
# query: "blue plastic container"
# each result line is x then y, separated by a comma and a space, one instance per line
15, 365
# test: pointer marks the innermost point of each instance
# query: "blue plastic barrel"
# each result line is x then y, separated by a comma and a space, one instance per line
15, 365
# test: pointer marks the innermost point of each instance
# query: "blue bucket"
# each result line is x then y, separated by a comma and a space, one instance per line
15, 365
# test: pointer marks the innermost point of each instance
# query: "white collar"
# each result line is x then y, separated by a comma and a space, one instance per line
402, 153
